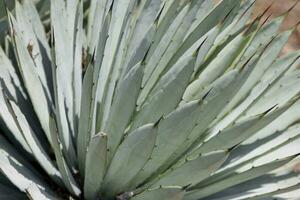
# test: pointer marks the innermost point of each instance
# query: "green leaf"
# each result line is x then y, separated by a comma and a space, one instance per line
170, 43
254, 172
88, 122
96, 159
136, 55
18, 171
64, 169
78, 60
118, 64
260, 147
207, 42
262, 38
216, 68
192, 171
30, 77
169, 11
273, 194
260, 151
239, 132
96, 106
129, 159
62, 121
143, 34
286, 88
11, 79
175, 131
118, 23
157, 55
268, 185
36, 193
168, 93
172, 130
10, 123
220, 93
98, 11
212, 18
270, 76
240, 20
84, 133
202, 8
166, 193
67, 43
34, 39
36, 148
267, 58
123, 107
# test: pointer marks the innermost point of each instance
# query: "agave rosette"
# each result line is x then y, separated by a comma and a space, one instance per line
147, 99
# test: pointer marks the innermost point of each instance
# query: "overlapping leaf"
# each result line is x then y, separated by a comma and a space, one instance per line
146, 99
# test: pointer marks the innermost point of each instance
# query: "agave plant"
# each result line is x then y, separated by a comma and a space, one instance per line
147, 100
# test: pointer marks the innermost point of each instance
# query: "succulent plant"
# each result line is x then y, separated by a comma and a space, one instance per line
147, 100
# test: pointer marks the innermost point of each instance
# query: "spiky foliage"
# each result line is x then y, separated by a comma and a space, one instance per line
146, 100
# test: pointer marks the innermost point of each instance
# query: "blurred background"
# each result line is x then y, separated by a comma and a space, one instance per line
278, 7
